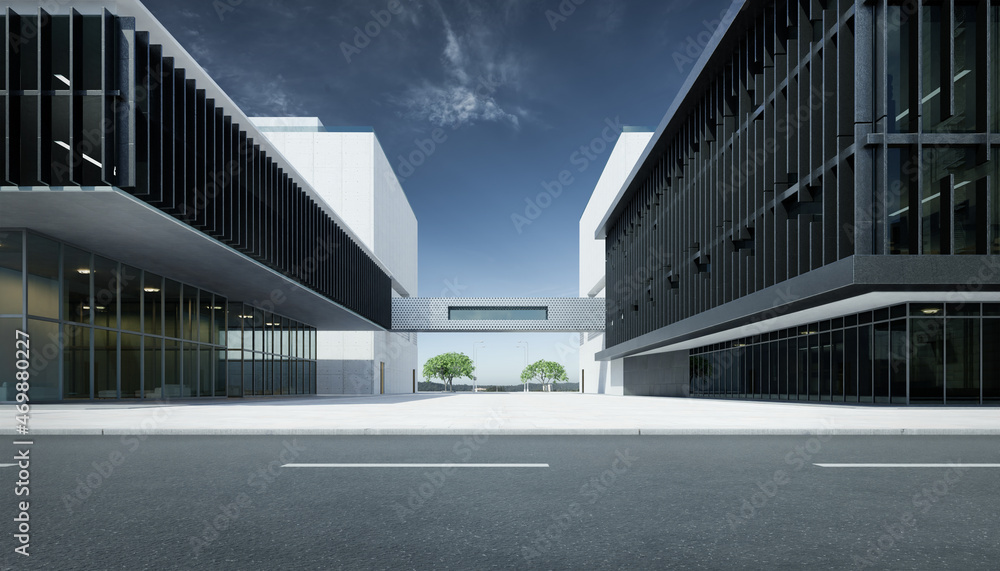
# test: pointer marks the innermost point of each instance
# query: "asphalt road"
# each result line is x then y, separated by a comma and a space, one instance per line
712, 502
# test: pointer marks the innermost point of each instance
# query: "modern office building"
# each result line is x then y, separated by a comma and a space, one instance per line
154, 242
348, 169
817, 217
598, 376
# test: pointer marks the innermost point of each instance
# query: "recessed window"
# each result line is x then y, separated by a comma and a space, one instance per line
498, 313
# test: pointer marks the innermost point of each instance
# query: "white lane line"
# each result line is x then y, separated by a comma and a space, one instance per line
7, 465
400, 465
946, 465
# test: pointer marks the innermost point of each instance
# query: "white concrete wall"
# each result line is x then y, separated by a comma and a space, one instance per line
600, 376
620, 163
351, 173
395, 225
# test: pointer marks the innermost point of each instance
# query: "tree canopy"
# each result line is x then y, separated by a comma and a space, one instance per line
545, 372
448, 366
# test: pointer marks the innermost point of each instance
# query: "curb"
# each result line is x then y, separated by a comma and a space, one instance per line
508, 432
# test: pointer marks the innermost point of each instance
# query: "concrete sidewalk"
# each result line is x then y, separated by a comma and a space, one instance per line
498, 413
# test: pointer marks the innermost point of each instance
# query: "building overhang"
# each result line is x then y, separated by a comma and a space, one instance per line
699, 77
851, 285
113, 223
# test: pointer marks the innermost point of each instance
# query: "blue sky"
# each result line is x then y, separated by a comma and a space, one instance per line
516, 86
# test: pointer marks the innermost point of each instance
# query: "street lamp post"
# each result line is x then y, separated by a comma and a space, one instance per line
475, 362
525, 343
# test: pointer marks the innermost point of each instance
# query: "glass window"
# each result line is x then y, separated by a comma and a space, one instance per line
55, 50
802, 367
105, 364
825, 372
901, 71
898, 361
206, 370
866, 363
927, 355
55, 136
966, 69
44, 366
189, 381
881, 366
962, 337
991, 362
8, 359
131, 368
851, 365
152, 299
24, 51
950, 177
927, 310
783, 369
76, 362
11, 290
933, 54
152, 366
171, 368
995, 67
106, 282
221, 375
77, 271
498, 313
995, 191
131, 299
88, 39
220, 318
171, 310
205, 308
838, 365
43, 277
189, 313
773, 373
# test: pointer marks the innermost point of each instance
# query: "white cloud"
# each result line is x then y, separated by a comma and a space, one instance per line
474, 68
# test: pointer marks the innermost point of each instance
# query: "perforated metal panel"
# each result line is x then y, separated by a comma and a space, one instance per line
564, 314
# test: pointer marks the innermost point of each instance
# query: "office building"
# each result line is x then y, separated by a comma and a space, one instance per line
817, 217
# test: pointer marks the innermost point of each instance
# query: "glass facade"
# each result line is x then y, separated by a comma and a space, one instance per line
917, 353
106, 330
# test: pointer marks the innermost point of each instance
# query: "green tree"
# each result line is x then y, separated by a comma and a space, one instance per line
448, 366
545, 372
